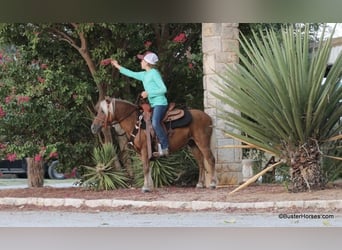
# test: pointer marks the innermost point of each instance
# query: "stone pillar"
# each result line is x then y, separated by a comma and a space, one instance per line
219, 41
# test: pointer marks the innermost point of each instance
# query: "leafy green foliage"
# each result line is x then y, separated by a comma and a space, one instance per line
104, 175
62, 80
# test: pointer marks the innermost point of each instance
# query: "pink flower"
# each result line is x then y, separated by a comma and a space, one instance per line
180, 38
8, 99
72, 174
53, 155
43, 66
23, 99
147, 44
11, 157
38, 158
105, 62
41, 79
2, 112
191, 66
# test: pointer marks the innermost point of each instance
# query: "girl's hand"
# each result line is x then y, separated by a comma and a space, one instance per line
144, 94
115, 64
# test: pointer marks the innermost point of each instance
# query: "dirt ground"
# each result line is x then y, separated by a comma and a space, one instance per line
253, 193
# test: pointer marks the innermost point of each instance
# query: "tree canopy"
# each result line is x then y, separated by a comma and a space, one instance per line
51, 78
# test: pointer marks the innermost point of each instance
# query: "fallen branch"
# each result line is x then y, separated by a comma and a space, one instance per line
335, 138
236, 146
333, 157
255, 177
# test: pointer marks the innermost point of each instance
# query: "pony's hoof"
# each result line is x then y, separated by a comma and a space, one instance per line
199, 185
212, 186
145, 190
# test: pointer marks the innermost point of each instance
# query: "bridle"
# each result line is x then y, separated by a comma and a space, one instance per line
109, 111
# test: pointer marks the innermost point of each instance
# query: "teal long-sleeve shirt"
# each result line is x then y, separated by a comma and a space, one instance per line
152, 82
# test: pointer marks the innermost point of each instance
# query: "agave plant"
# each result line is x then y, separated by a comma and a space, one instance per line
104, 175
288, 110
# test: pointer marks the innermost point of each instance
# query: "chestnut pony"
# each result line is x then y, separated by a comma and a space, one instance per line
197, 135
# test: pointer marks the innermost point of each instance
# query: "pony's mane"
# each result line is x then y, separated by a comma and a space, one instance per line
125, 101
110, 108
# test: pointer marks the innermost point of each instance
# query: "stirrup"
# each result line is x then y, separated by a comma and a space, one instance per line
164, 152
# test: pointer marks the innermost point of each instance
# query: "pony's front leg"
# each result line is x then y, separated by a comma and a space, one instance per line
148, 182
201, 177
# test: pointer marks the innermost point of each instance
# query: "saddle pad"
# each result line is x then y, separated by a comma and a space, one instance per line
182, 122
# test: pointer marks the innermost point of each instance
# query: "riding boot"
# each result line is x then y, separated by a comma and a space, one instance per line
161, 152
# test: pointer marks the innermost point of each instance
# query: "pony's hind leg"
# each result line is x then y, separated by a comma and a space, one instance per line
199, 159
201, 153
209, 157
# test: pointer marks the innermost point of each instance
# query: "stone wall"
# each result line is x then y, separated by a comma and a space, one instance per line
219, 41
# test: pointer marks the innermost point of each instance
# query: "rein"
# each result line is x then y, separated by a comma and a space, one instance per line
111, 113
123, 118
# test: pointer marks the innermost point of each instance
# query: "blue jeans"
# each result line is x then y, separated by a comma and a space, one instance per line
157, 117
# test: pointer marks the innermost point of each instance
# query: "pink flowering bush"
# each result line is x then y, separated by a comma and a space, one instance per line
105, 62
35, 117
147, 44
2, 112
38, 158
14, 152
63, 86
180, 38
11, 157
46, 153
22, 99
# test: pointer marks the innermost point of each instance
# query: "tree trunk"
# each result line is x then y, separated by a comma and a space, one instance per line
35, 173
306, 173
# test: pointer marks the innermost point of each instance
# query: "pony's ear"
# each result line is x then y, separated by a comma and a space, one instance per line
108, 99
97, 106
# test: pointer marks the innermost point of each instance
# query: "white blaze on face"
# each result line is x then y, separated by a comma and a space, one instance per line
104, 107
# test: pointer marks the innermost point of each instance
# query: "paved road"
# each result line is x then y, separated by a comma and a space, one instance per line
41, 218
187, 219
9, 183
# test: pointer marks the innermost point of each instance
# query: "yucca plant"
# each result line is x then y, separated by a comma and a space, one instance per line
163, 171
288, 110
104, 175
188, 171
179, 168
